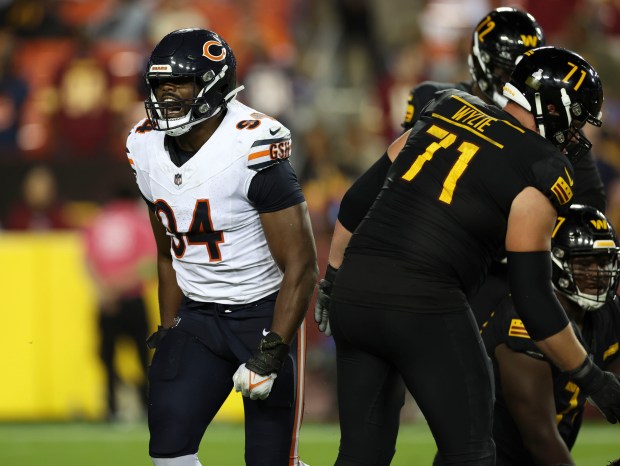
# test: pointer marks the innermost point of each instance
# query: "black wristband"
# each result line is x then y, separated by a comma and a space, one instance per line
270, 355
588, 377
330, 273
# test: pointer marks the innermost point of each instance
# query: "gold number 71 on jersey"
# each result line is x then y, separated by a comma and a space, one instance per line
446, 139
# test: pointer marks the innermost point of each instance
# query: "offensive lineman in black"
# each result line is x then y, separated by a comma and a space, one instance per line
538, 410
498, 39
469, 180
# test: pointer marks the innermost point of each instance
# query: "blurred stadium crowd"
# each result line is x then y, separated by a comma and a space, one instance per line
336, 72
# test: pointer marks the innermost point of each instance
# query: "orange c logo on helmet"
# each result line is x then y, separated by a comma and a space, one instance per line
207, 53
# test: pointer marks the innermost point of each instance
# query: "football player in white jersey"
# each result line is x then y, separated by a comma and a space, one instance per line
236, 256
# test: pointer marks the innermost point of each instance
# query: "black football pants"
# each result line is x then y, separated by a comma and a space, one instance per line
191, 377
439, 358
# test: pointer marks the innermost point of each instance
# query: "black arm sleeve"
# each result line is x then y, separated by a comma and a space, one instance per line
529, 274
360, 196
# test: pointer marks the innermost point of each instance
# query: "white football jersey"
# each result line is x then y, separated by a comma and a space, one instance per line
219, 250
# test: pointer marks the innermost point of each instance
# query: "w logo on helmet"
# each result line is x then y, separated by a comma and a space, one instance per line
529, 41
599, 224
207, 47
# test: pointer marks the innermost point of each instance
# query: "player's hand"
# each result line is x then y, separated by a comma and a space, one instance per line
602, 388
607, 398
252, 385
255, 377
323, 300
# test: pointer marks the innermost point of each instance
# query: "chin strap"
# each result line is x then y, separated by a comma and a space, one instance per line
232, 94
566, 102
179, 130
539, 115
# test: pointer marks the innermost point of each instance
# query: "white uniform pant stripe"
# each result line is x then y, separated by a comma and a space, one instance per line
299, 405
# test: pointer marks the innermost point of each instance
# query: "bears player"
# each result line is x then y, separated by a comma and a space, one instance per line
236, 256
499, 38
469, 181
538, 410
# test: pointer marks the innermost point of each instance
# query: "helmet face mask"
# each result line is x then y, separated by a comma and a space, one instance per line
497, 41
169, 108
592, 278
197, 60
573, 142
563, 92
584, 257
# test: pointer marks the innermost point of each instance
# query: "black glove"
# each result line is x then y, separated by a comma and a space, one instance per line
155, 338
323, 300
602, 388
270, 355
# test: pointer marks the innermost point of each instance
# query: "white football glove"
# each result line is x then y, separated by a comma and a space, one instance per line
252, 385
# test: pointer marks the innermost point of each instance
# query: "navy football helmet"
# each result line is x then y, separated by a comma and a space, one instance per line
584, 253
498, 40
563, 92
204, 58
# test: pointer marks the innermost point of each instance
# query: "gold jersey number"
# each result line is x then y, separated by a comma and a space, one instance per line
445, 140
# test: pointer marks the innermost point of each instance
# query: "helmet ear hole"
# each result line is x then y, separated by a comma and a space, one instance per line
576, 109
208, 76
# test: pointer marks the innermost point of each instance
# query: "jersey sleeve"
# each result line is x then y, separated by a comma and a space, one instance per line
422, 94
419, 96
274, 185
275, 188
137, 161
271, 147
553, 176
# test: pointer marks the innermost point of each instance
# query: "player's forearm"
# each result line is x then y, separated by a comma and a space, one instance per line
542, 440
340, 241
563, 349
545, 452
294, 299
169, 293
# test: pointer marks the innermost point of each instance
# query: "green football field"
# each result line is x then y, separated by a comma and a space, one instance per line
76, 444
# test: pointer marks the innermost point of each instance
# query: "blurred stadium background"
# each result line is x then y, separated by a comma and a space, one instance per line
336, 72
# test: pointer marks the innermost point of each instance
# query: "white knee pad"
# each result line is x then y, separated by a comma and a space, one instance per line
187, 460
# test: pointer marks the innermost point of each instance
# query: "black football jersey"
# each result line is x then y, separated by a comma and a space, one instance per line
441, 215
589, 188
600, 336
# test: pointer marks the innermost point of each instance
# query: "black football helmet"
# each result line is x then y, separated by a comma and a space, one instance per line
198, 55
499, 38
585, 233
562, 91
